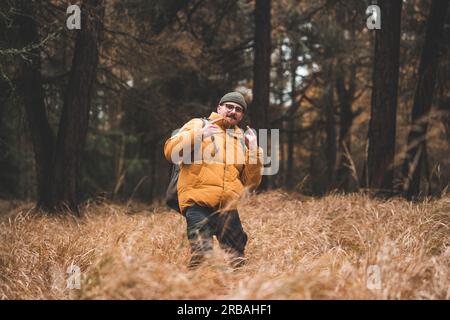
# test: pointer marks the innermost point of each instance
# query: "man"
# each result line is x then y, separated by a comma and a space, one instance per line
209, 189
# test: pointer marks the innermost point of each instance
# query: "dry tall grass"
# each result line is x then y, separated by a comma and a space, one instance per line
298, 249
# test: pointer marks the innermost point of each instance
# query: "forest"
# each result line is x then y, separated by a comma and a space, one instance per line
361, 100
319, 75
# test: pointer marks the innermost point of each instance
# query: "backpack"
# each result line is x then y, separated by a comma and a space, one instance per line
171, 192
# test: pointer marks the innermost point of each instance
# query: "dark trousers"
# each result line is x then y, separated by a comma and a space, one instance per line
203, 223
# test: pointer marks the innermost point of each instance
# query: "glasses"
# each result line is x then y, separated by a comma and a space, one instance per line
231, 107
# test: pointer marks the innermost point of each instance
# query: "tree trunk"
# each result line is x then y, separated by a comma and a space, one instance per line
5, 91
382, 126
290, 154
416, 151
444, 109
314, 166
119, 144
330, 149
261, 69
344, 175
282, 171
75, 115
279, 92
5, 86
292, 121
153, 176
30, 87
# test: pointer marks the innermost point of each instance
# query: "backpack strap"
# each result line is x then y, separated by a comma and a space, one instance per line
241, 138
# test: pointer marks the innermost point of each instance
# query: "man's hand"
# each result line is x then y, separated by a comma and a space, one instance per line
250, 139
211, 129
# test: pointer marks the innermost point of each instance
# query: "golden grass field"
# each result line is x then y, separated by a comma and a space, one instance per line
299, 248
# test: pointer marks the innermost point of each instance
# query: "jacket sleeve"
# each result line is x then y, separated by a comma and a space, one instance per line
183, 139
251, 175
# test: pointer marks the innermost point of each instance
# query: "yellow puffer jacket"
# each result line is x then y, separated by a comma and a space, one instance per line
226, 169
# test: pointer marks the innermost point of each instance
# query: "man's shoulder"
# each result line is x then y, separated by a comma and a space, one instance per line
194, 122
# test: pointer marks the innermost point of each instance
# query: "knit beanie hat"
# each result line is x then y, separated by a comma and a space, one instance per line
235, 97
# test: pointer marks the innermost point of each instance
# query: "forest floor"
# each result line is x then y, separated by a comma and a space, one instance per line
335, 247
